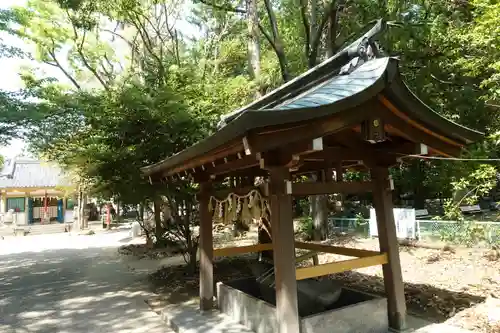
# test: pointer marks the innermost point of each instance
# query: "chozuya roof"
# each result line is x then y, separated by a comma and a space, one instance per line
353, 76
29, 173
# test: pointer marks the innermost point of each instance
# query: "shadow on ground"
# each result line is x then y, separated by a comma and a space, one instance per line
67, 290
423, 300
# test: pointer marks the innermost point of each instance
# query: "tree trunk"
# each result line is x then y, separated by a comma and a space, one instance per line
82, 203
85, 216
331, 34
339, 176
253, 42
276, 42
79, 219
141, 211
313, 26
319, 211
192, 244
320, 219
418, 189
159, 231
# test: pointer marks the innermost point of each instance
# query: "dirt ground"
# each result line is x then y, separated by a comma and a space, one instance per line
458, 286
440, 285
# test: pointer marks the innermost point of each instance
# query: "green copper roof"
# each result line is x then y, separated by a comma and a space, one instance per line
341, 86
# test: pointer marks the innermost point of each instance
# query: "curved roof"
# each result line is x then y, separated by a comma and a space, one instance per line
339, 87
339, 84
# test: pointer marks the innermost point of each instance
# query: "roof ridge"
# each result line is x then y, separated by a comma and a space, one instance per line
358, 48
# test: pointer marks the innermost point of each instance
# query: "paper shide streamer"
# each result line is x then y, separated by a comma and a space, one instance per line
247, 208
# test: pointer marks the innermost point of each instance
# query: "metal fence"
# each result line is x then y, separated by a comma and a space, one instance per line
427, 230
435, 230
350, 226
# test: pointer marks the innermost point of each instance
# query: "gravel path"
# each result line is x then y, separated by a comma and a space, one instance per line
71, 284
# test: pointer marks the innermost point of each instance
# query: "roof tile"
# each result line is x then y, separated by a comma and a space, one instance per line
26, 173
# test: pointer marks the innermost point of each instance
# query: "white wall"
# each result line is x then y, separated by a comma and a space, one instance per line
68, 215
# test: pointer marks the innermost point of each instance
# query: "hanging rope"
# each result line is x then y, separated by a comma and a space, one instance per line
485, 160
248, 207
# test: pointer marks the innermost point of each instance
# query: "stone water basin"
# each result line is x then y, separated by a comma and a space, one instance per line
324, 307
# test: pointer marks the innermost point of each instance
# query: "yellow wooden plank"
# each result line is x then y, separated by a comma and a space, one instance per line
345, 251
340, 266
231, 251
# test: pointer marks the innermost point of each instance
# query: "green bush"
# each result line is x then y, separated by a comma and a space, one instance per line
470, 233
307, 227
361, 224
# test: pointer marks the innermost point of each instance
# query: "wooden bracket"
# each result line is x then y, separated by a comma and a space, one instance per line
246, 146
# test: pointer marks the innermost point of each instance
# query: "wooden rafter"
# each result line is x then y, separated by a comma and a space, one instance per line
416, 132
228, 149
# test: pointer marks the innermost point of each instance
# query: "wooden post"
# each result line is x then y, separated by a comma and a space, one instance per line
393, 279
206, 250
284, 252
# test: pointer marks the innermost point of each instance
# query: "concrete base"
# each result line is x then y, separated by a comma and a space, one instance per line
187, 318
354, 312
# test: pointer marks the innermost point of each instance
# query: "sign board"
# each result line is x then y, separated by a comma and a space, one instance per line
404, 219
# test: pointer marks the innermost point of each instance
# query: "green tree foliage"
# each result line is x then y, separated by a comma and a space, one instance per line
14, 114
139, 88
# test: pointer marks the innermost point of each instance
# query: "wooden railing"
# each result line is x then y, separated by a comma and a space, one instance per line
365, 258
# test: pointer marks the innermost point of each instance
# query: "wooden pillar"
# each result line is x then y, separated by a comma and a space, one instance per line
393, 279
284, 252
206, 250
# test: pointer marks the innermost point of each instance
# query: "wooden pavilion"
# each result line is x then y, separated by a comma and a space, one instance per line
351, 111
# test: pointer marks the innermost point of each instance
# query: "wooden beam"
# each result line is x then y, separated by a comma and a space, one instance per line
336, 154
287, 311
232, 251
305, 147
316, 188
373, 154
415, 124
222, 194
307, 166
393, 278
231, 148
206, 250
340, 266
231, 166
306, 256
275, 137
416, 132
335, 249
